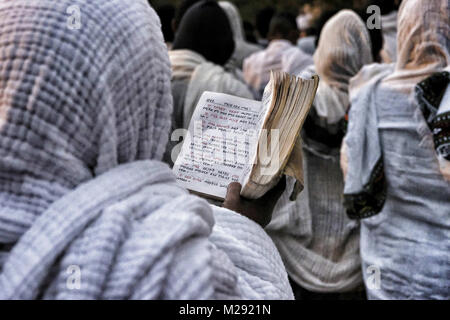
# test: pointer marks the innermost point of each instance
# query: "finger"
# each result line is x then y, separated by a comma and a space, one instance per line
233, 192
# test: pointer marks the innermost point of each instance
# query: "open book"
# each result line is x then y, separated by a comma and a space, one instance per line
252, 142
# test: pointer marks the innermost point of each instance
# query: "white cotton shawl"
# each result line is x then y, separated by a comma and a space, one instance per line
409, 235
242, 49
423, 41
344, 48
202, 76
88, 211
280, 55
423, 49
317, 241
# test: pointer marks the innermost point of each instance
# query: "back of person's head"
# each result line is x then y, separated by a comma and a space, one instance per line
423, 39
283, 26
166, 13
77, 103
344, 48
262, 21
321, 20
205, 29
181, 9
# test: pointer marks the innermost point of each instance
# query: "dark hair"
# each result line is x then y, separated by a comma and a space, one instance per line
249, 31
386, 6
206, 30
166, 14
181, 10
282, 24
376, 37
263, 18
320, 22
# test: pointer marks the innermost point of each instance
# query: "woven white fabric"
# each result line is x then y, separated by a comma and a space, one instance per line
317, 241
202, 76
280, 55
242, 49
87, 209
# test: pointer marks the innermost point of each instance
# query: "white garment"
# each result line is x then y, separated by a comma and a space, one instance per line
242, 49
423, 42
203, 76
84, 121
280, 55
344, 48
319, 244
407, 240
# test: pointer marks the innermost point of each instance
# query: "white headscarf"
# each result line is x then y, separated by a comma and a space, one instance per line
280, 55
423, 40
422, 50
344, 48
73, 112
79, 107
242, 48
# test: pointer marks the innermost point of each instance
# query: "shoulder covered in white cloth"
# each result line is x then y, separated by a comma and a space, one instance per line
147, 238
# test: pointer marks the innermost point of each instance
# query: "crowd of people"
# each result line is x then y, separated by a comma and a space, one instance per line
90, 209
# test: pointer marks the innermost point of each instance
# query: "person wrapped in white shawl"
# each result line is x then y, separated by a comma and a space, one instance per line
317, 241
280, 55
203, 45
242, 49
88, 210
397, 156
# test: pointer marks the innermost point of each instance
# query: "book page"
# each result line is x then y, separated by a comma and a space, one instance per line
221, 141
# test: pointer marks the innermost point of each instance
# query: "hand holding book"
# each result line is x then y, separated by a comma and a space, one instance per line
259, 210
255, 143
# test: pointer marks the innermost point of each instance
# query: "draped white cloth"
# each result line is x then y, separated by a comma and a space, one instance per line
317, 241
88, 210
202, 76
280, 55
409, 234
344, 47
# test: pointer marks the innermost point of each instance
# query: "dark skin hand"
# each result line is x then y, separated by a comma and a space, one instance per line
259, 210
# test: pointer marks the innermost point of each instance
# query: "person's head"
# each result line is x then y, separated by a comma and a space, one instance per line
181, 9
320, 22
234, 17
262, 21
205, 29
249, 31
423, 38
283, 26
76, 101
344, 48
166, 13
